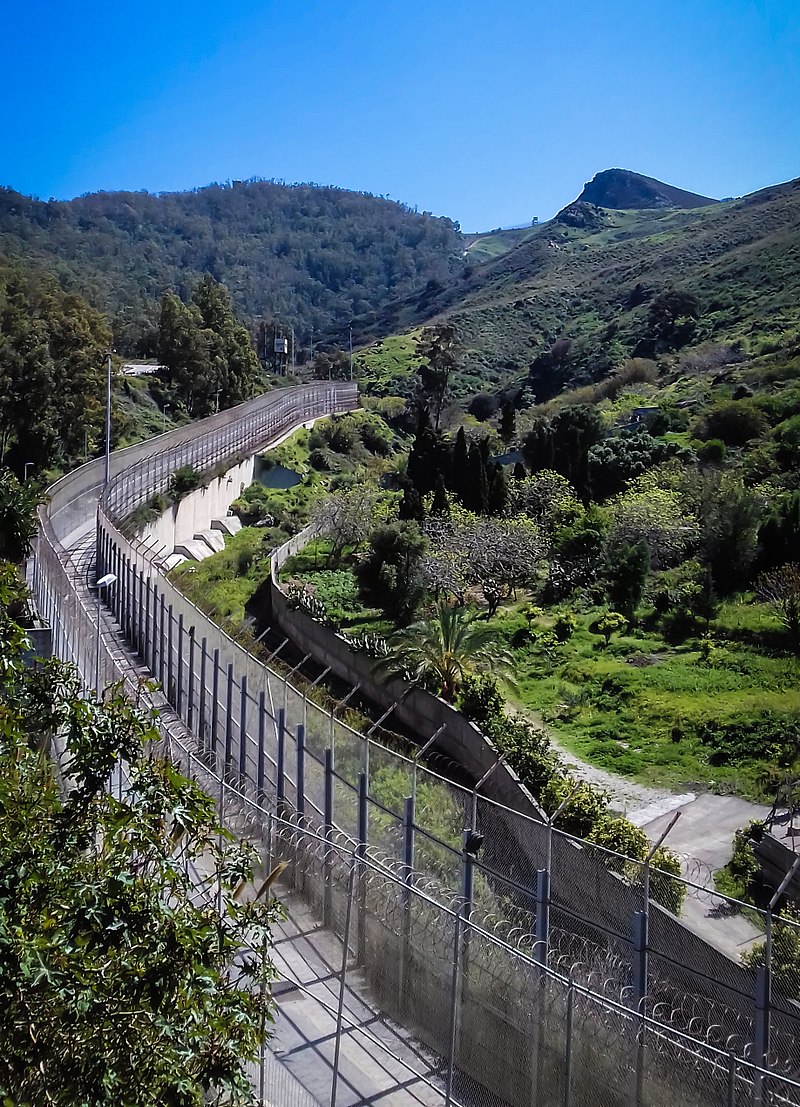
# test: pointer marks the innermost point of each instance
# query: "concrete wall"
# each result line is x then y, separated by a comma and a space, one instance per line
195, 511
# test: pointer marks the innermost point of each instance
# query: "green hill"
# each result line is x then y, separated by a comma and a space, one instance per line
307, 255
596, 285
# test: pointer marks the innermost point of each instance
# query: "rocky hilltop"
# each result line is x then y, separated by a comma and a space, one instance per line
625, 190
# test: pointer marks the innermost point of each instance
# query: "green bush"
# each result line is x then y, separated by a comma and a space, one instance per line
712, 452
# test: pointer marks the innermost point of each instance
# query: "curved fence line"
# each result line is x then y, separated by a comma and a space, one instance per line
278, 755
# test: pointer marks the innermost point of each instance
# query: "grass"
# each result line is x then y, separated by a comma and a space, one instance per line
388, 367
225, 582
635, 707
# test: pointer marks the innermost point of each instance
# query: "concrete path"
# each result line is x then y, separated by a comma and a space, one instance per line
703, 839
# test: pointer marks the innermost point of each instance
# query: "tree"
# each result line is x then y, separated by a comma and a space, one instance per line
780, 588
117, 982
779, 534
476, 482
344, 518
627, 566
612, 622
496, 555
206, 354
563, 443
497, 499
508, 423
656, 516
427, 457
18, 503
729, 516
440, 505
458, 465
439, 347
442, 651
389, 575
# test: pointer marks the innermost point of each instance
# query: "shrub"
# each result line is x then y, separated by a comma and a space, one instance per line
182, 482
712, 452
481, 700
735, 422
564, 626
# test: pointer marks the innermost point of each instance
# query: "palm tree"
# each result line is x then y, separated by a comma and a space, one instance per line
441, 651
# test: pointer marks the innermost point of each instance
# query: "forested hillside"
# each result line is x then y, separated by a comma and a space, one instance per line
306, 255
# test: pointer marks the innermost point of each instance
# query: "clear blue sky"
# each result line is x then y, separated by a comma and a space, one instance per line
489, 111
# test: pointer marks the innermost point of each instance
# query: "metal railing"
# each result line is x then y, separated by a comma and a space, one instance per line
505, 941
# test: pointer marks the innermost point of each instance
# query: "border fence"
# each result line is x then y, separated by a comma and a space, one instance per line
536, 969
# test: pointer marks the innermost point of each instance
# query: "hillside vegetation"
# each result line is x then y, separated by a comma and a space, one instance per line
597, 285
306, 255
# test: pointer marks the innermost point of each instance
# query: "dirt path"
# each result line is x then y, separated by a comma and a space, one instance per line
641, 803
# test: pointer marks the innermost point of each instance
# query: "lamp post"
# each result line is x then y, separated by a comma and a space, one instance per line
28, 465
108, 419
104, 582
166, 409
216, 402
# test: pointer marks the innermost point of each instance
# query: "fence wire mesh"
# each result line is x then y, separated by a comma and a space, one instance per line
470, 979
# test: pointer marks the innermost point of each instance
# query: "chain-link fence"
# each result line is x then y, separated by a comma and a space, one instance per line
540, 970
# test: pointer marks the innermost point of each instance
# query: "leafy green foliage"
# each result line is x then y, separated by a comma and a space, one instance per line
53, 349
116, 984
18, 503
389, 574
207, 356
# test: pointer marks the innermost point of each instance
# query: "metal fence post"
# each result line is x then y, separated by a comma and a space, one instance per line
179, 694
453, 1026
541, 953
170, 663
328, 833
280, 783
640, 937
228, 719
243, 729
215, 704
201, 707
190, 694
262, 738
161, 661
343, 977
408, 882
568, 1044
300, 798
363, 841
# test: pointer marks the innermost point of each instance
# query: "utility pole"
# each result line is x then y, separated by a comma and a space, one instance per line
311, 356
108, 420
292, 349
351, 351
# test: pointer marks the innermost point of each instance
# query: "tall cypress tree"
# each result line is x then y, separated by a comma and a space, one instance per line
441, 504
476, 490
498, 491
458, 465
424, 461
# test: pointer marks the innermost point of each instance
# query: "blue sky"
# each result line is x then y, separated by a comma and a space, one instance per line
489, 112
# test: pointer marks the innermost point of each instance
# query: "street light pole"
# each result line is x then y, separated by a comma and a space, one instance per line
108, 419
28, 465
166, 409
216, 402
103, 582
351, 351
